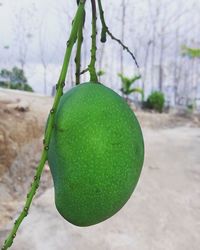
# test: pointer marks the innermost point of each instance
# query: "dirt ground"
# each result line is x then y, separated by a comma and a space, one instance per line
162, 214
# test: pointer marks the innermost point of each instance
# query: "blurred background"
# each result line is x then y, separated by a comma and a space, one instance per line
164, 212
34, 34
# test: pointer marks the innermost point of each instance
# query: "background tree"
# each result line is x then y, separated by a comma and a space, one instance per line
23, 31
14, 79
193, 54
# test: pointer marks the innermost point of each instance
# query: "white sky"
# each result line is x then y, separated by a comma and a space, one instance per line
47, 21
47, 18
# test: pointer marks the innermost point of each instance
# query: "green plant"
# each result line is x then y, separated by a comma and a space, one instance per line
191, 106
20, 86
191, 52
14, 79
100, 141
127, 85
100, 73
156, 101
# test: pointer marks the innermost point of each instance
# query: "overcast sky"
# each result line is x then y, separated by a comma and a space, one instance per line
48, 19
48, 23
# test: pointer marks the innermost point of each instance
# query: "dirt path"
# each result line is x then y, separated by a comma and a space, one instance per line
163, 213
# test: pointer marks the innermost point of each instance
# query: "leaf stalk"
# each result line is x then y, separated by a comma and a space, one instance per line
50, 124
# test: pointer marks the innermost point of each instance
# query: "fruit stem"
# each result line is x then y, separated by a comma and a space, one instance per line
91, 66
78, 51
34, 186
84, 71
106, 30
104, 26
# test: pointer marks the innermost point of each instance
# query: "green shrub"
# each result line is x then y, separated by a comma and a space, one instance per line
156, 101
191, 106
21, 86
14, 79
18, 86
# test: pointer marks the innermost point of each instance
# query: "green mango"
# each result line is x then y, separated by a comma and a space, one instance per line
95, 154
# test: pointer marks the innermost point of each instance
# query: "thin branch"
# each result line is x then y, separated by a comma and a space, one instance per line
84, 71
34, 186
105, 29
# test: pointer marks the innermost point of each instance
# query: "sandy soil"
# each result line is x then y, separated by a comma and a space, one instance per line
22, 120
163, 213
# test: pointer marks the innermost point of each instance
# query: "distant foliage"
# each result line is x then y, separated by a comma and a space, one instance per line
191, 106
156, 101
21, 86
100, 73
127, 85
191, 52
14, 79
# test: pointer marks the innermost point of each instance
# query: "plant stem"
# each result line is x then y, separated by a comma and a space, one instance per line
34, 186
84, 71
104, 27
9, 241
106, 30
78, 52
91, 66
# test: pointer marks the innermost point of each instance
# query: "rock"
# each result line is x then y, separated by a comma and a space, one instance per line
21, 106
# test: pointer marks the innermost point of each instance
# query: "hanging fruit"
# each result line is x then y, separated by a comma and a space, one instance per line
93, 141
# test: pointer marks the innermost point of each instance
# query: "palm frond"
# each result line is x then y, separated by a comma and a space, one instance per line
128, 82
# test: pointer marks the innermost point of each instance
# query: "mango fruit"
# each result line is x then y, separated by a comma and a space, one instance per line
95, 154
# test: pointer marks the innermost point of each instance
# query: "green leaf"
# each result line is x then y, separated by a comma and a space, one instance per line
190, 52
137, 90
101, 72
127, 83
